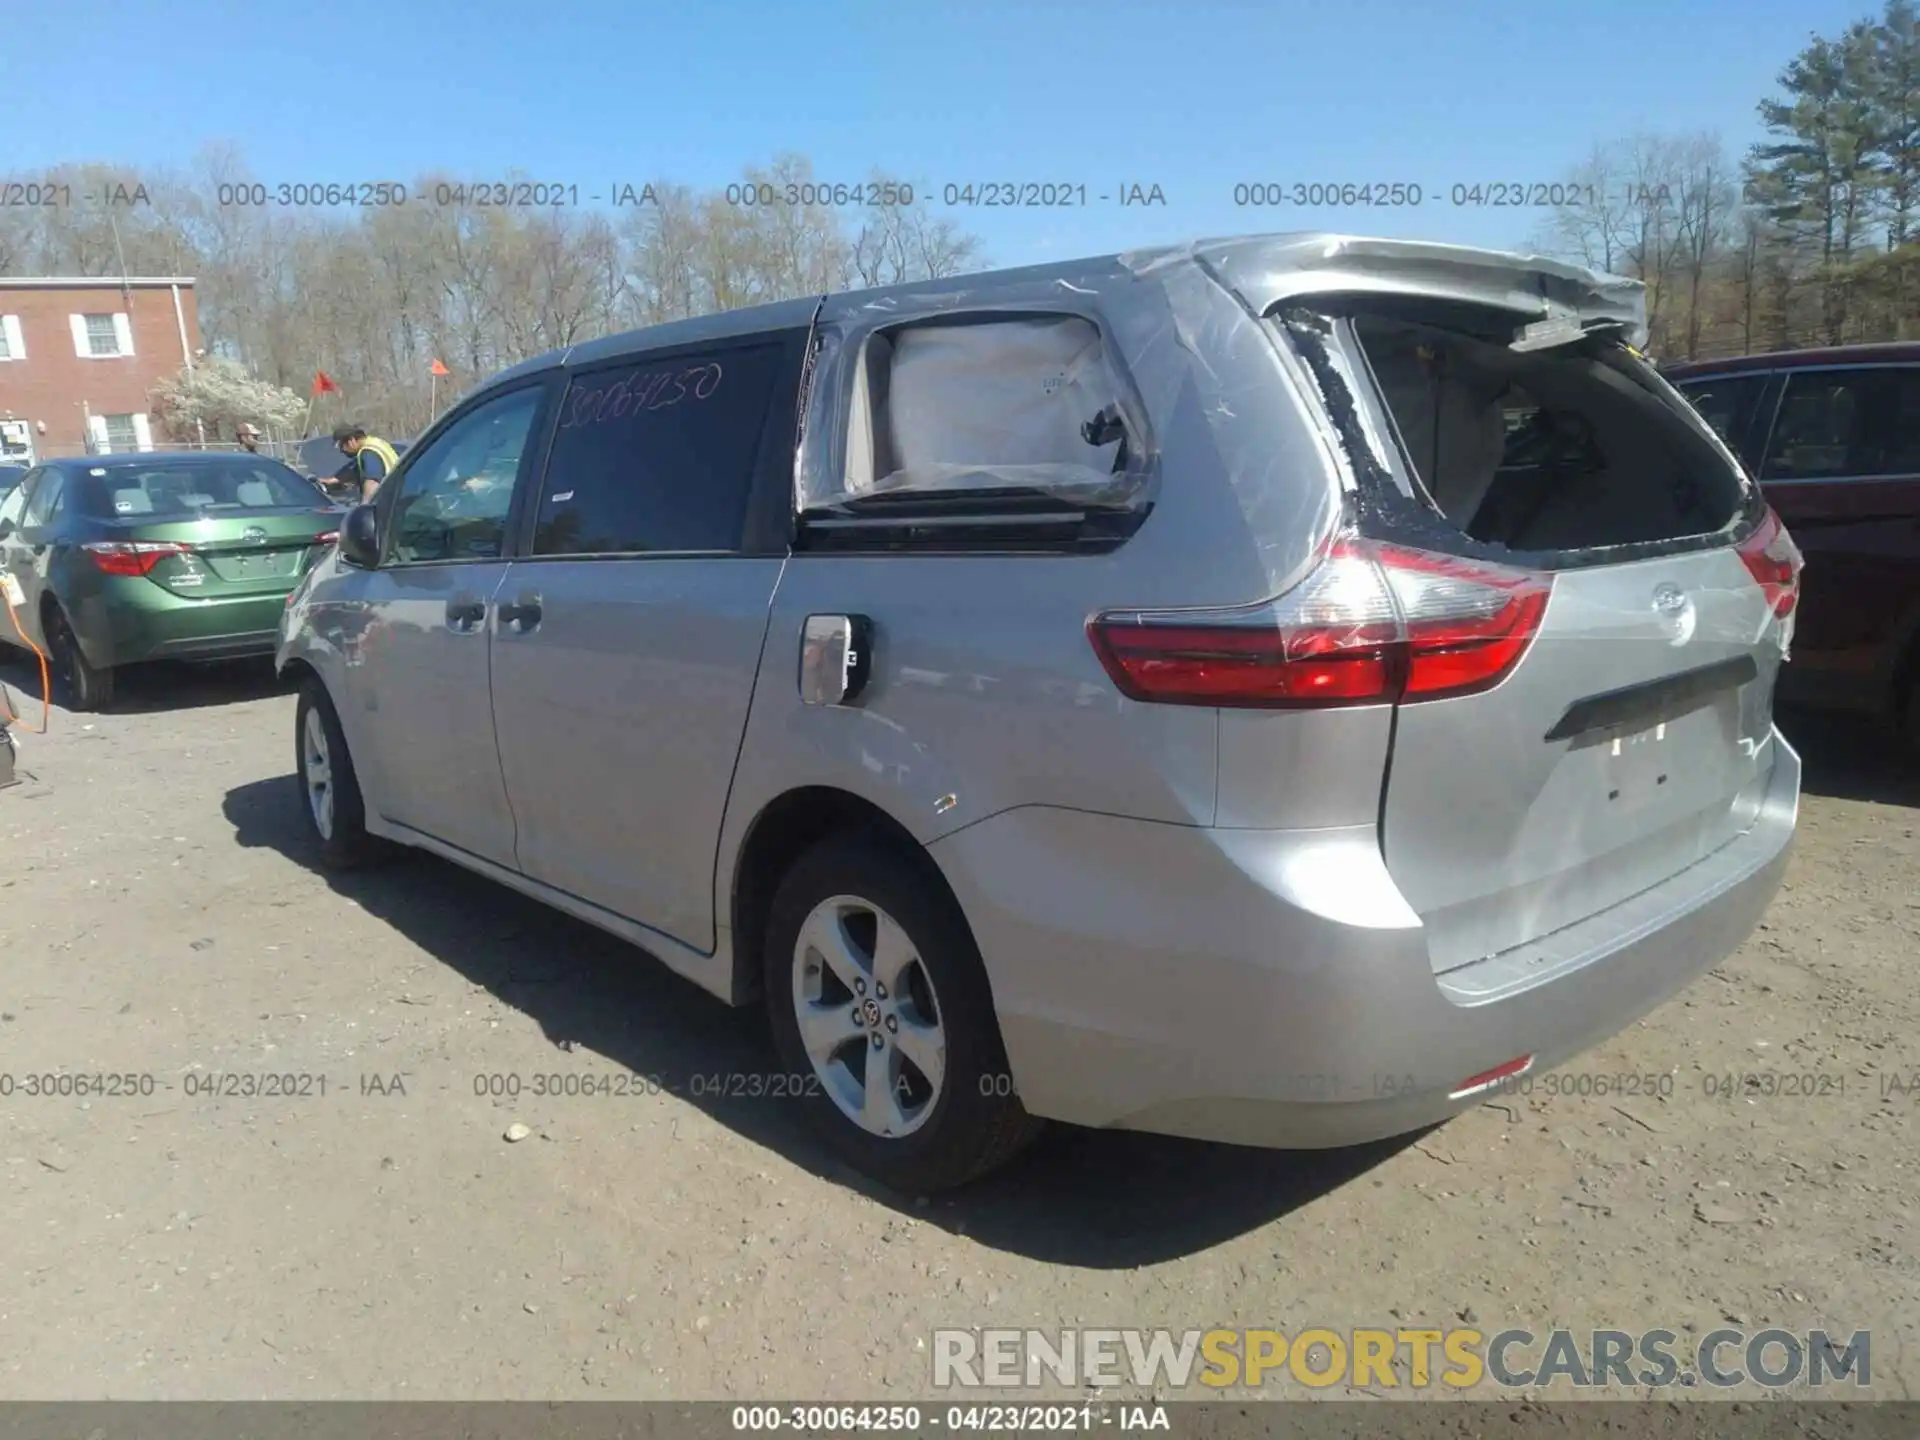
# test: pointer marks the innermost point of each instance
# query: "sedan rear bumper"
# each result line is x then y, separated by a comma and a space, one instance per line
120, 628
1274, 988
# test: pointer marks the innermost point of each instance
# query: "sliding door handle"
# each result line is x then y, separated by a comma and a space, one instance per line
522, 614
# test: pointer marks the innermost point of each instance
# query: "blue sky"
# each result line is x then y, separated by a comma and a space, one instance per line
1195, 98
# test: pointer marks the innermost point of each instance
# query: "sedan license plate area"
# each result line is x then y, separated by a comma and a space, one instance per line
255, 565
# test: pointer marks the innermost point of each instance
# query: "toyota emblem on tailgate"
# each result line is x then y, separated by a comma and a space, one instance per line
1675, 612
254, 535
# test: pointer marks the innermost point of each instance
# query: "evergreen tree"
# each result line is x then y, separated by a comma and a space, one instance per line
1815, 182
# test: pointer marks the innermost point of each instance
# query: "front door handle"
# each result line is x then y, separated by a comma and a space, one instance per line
465, 614
523, 614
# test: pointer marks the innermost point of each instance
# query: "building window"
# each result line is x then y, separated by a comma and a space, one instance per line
12, 344
117, 434
101, 337
98, 337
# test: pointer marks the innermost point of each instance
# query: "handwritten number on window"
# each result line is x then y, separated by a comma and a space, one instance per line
657, 390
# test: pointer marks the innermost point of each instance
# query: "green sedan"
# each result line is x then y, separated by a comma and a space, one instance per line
108, 560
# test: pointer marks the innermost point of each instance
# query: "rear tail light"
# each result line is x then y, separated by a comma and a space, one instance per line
328, 538
1372, 623
132, 557
1774, 562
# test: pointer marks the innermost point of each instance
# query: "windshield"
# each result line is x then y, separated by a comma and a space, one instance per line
172, 491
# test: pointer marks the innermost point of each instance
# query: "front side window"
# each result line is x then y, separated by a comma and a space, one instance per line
1846, 423
659, 455
454, 496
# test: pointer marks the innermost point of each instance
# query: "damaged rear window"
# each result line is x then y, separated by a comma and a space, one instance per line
1539, 447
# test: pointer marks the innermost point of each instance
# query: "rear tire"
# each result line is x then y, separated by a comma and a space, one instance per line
852, 914
328, 786
83, 686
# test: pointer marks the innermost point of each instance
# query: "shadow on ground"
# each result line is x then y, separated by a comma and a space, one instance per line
1849, 759
1098, 1199
146, 689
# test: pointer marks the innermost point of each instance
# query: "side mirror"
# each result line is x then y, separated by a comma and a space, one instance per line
360, 537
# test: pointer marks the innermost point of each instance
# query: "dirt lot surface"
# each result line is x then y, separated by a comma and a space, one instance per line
163, 917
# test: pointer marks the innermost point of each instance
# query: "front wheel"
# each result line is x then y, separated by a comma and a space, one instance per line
879, 1002
329, 787
84, 686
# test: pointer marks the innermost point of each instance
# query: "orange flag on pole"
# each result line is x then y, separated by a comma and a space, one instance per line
438, 369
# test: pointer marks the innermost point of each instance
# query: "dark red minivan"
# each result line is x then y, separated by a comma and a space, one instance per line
1834, 438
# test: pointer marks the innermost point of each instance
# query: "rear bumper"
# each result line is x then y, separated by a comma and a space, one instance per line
117, 627
1273, 987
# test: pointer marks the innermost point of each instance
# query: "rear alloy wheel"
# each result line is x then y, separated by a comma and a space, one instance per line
881, 1009
329, 788
85, 686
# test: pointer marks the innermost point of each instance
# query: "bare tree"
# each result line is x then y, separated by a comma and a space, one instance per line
1705, 204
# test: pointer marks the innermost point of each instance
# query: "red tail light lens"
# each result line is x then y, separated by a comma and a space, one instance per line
1774, 562
131, 557
1487, 1079
1467, 624
1371, 624
329, 538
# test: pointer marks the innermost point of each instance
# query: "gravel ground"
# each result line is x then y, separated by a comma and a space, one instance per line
163, 916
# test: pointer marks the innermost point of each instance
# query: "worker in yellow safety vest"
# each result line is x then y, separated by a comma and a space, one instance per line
373, 458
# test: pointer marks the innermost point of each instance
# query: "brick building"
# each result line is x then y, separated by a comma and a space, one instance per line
79, 359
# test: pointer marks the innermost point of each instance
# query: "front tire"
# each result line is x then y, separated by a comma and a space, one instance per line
880, 1005
86, 687
329, 787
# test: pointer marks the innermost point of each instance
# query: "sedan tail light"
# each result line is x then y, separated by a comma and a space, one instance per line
329, 537
131, 557
1774, 561
1371, 624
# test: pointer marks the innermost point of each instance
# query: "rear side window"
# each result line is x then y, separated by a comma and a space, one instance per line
1835, 423
44, 496
1728, 405
1026, 404
659, 455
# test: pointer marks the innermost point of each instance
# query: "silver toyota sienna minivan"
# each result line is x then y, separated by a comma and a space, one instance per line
1272, 690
